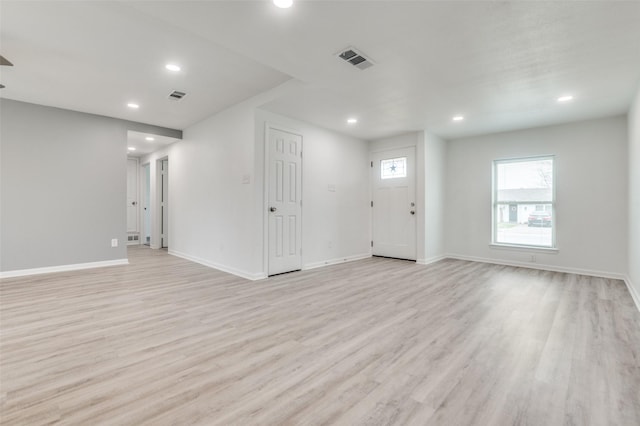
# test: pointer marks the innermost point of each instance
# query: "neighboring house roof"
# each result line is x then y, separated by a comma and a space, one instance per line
525, 194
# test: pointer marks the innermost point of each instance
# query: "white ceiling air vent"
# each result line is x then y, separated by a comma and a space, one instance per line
355, 58
176, 95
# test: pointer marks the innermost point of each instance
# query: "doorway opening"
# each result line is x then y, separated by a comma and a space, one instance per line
163, 166
133, 231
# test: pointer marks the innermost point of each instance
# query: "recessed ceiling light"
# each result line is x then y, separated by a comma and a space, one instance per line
284, 4
149, 138
172, 67
458, 118
352, 120
565, 98
131, 148
132, 105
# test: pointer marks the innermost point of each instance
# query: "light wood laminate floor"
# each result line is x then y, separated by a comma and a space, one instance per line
379, 341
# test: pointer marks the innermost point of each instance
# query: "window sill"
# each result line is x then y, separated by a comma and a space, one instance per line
499, 246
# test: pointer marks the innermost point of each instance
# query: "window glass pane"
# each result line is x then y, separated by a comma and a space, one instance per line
525, 181
524, 200
393, 168
523, 224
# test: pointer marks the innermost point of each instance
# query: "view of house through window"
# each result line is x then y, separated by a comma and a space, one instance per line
524, 199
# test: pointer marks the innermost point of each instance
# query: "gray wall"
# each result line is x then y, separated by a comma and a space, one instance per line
63, 186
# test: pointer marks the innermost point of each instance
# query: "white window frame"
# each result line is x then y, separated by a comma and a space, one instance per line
495, 203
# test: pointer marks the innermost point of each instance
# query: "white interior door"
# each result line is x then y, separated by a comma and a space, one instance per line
285, 205
164, 204
394, 203
132, 195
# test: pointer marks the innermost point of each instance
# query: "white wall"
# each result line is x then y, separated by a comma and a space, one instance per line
434, 185
218, 219
212, 217
335, 224
63, 187
634, 198
591, 188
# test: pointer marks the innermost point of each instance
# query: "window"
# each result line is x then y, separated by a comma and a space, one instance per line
524, 202
393, 168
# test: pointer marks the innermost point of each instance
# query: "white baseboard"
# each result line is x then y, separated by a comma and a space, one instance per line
634, 294
219, 267
62, 268
335, 261
430, 260
530, 265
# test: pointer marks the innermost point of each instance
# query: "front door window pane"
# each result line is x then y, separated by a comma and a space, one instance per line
393, 168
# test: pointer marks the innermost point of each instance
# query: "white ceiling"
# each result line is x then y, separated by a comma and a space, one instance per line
143, 146
500, 64
97, 56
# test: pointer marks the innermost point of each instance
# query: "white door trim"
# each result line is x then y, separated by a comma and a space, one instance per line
136, 200
165, 205
265, 207
143, 191
156, 202
390, 148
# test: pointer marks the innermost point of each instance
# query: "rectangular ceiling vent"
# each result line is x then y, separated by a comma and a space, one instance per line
177, 95
355, 58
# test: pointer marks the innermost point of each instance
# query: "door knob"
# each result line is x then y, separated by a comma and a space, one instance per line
412, 212
133, 203
272, 209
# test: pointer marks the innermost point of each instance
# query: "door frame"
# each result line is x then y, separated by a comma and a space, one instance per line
137, 201
156, 212
419, 207
143, 190
265, 197
161, 201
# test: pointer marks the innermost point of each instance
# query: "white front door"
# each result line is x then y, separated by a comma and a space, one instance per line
285, 205
132, 195
394, 203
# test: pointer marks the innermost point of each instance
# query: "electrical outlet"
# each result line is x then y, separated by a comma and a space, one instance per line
114, 242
